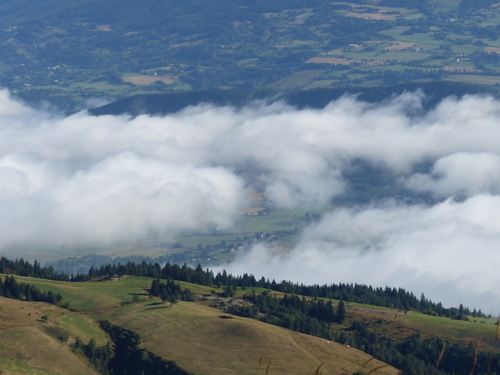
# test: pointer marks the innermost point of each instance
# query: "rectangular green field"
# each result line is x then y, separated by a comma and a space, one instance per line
476, 79
402, 56
396, 33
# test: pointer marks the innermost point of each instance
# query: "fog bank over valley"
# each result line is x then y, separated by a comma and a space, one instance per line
81, 179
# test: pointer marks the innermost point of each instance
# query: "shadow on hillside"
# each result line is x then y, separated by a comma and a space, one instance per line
157, 305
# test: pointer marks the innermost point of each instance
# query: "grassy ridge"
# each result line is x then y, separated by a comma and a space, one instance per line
95, 295
202, 342
195, 336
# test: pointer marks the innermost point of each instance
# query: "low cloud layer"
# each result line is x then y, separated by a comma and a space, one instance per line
79, 179
460, 174
449, 250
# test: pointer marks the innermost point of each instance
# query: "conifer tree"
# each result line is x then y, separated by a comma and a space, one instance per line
341, 312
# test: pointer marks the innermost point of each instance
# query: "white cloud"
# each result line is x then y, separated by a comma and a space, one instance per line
83, 179
461, 173
121, 198
449, 251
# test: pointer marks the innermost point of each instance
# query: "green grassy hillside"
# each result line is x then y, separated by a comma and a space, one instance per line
112, 293
192, 334
94, 295
199, 337
202, 342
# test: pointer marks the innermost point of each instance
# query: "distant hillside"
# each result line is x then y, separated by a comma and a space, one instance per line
69, 51
162, 104
468, 5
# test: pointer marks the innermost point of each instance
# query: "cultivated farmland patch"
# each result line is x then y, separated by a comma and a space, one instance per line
492, 49
189, 44
400, 46
333, 61
147, 80
461, 69
371, 16
104, 28
342, 61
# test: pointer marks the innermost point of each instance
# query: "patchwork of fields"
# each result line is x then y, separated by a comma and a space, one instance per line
281, 47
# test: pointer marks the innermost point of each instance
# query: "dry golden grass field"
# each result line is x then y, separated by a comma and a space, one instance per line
28, 345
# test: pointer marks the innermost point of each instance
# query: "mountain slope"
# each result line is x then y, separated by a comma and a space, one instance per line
193, 335
204, 341
27, 347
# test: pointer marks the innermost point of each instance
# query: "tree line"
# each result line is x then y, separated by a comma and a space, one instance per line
170, 291
388, 297
10, 288
412, 355
312, 317
22, 267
